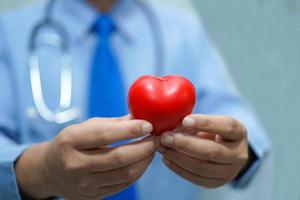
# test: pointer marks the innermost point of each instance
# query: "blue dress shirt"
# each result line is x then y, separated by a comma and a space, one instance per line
188, 51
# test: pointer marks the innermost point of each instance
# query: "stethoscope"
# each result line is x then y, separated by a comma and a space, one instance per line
65, 111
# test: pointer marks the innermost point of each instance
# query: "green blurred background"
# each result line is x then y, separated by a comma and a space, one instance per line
260, 42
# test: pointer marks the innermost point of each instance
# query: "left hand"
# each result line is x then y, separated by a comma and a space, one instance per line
209, 151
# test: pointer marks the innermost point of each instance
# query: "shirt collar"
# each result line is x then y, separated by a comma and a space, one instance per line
78, 17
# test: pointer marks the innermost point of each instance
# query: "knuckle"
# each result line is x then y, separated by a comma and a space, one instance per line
120, 157
135, 128
214, 153
180, 142
130, 174
73, 167
72, 164
242, 159
66, 139
82, 187
105, 138
206, 122
94, 122
72, 128
202, 168
232, 125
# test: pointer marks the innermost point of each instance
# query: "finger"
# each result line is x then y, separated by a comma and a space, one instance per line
194, 178
208, 136
107, 191
98, 132
126, 117
126, 175
122, 175
199, 148
113, 119
117, 157
226, 127
203, 168
204, 135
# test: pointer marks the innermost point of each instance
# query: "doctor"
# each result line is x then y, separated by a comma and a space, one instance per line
112, 43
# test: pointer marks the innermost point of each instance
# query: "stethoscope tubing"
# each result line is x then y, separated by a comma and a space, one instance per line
60, 116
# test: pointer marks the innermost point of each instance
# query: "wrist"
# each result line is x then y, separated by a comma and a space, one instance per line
32, 172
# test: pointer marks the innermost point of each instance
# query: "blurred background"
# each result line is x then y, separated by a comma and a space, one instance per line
260, 42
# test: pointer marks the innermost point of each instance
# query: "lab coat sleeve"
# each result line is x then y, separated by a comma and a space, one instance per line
10, 150
217, 95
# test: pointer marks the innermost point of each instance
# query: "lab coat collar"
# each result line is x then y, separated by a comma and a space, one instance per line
78, 16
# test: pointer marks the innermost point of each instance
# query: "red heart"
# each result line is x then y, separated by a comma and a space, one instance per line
163, 101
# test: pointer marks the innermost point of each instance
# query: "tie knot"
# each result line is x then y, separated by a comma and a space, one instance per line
104, 25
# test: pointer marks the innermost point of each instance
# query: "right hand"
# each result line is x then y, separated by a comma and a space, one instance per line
80, 164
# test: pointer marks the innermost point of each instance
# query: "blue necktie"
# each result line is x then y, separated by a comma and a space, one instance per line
107, 92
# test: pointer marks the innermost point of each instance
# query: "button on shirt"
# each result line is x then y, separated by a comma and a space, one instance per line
187, 51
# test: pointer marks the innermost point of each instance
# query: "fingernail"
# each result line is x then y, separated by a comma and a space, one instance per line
167, 139
189, 122
147, 128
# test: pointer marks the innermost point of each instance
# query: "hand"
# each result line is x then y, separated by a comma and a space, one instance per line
209, 151
79, 164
